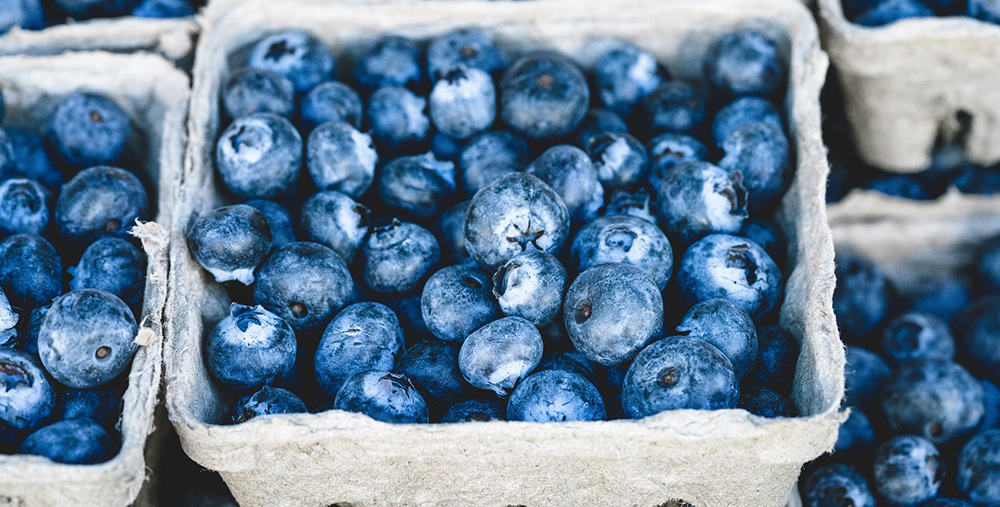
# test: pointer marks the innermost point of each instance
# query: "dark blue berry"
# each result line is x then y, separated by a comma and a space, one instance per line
73, 441
27, 400
24, 207
30, 270
330, 101
389, 61
419, 186
543, 96
456, 301
474, 411
250, 348
114, 266
259, 156
383, 396
463, 103
87, 129
531, 285
465, 47
733, 268
337, 221
267, 401
933, 398
861, 298
362, 337
674, 106
626, 239
667, 151
917, 336
555, 396
251, 91
571, 173
433, 368
397, 119
230, 242
837, 485
741, 111
304, 284
397, 257
450, 232
760, 152
500, 354
697, 198
744, 62
295, 55
620, 159
278, 219
727, 326
489, 156
908, 470
624, 76
777, 354
763, 402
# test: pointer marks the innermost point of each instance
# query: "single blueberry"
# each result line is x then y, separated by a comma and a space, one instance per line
571, 173
856, 435
500, 354
744, 62
389, 61
890, 11
555, 396
766, 234
31, 158
397, 119
986, 10
620, 159
463, 103
978, 468
24, 207
259, 156
777, 354
30, 271
679, 372
419, 186
943, 298
28, 399
612, 311
250, 348
626, 239
988, 265
760, 152
934, 398
333, 219
26, 14
88, 129
450, 233
637, 204
741, 111
917, 336
530, 285
733, 268
362, 337
114, 266
383, 396
667, 151
251, 91
456, 301
163, 9
697, 198
465, 47
303, 283
836, 485
977, 334
597, 121
625, 75
865, 375
100, 202
674, 106
230, 242
474, 411
295, 55
489, 156
398, 257
861, 298
908, 470
433, 368
278, 219
727, 326
101, 405
763, 402
543, 96
330, 101
269, 400
339, 157
73, 441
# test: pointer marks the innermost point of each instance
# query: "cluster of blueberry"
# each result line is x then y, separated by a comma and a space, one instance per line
38, 14
63, 355
883, 12
936, 422
555, 301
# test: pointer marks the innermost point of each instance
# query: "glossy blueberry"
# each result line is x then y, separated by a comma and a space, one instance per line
100, 202
763, 402
555, 396
259, 156
889, 11
760, 152
977, 333
856, 434
474, 411
450, 232
571, 173
733, 268
865, 374
679, 372
624, 76
100, 405
489, 156
31, 158
303, 283
383, 396
465, 47
669, 150
626, 239
530, 285
637, 204
620, 159
418, 186
543, 96
933, 398
267, 401
278, 219
978, 470
362, 337
511, 214
917, 336
433, 368
88, 129
986, 10
230, 242
612, 311
250, 348
24, 207
27, 399
73, 441
741, 111
114, 266
861, 298
163, 9
330, 101
251, 91
727, 326
30, 271
836, 485
988, 265
295, 55
339, 157
456, 301
398, 256
674, 106
387, 62
777, 354
943, 298
597, 121
744, 62
766, 234
333, 219
463, 102
698, 198
908, 470
498, 355
26, 14
397, 119
8, 320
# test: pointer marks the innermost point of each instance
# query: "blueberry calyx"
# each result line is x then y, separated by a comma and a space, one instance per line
524, 236
14, 376
546, 80
298, 309
739, 258
243, 315
736, 194
455, 75
277, 50
620, 238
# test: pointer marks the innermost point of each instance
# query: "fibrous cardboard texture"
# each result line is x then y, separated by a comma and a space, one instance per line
726, 457
154, 94
916, 82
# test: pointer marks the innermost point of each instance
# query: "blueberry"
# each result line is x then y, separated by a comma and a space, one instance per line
573, 362
100, 405
637, 204
464, 47
733, 268
100, 202
498, 355
741, 111
530, 285
330, 101
295, 55
27, 341
674, 106
978, 470
250, 348
278, 219
398, 256
259, 156
571, 173
760, 152
856, 434
433, 368
8, 320
667, 151
777, 354
861, 298
977, 332
418, 186
26, 14
624, 76
543, 96
512, 214
383, 396
251, 91
620, 159
450, 232
269, 400
489, 156
986, 10
991, 406
339, 157
31, 158
934, 398
837, 485
463, 103
28, 399
889, 11
625, 239
908, 470
766, 234
73, 441
988, 265
474, 411
763, 402
679, 372
230, 242
611, 312
362, 337
865, 374
446, 148
942, 298
727, 326
597, 121
555, 396
87, 129
387, 62
24, 207
698, 198
163, 9
410, 317
30, 271
917, 336
114, 266
337, 221
744, 62
397, 119
456, 301
303, 283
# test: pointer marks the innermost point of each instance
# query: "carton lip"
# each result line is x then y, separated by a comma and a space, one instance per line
936, 28
99, 34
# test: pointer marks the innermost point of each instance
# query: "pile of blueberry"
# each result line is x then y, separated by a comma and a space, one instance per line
921, 385
38, 14
64, 353
453, 233
883, 12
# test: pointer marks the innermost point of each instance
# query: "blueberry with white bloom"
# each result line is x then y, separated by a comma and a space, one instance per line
908, 470
433, 368
470, 48
251, 91
763, 402
555, 396
24, 207
363, 336
530, 285
917, 336
339, 157
760, 153
489, 156
230, 242
727, 326
337, 221
8, 319
259, 156
498, 355
419, 186
463, 102
303, 283
699, 198
100, 202
625, 75
88, 129
978, 474
73, 441
674, 106
744, 62
450, 232
595, 122
626, 239
30, 270
398, 256
733, 268
389, 61
543, 96
279, 220
250, 348
383, 396
295, 55
933, 398
571, 173
112, 265
637, 204
268, 400
669, 150
456, 301
397, 119
741, 111
330, 101
837, 484
620, 159
27, 399
474, 411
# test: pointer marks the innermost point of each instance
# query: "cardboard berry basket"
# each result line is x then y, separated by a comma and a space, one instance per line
917, 82
154, 94
726, 457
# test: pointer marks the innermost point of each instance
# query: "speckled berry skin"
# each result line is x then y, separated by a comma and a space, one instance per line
251, 91
383, 396
303, 283
362, 337
30, 270
250, 348
760, 153
720, 266
530, 285
624, 76
463, 102
337, 221
626, 239
744, 62
456, 301
978, 470
331, 101
339, 157
230, 242
621, 160
908, 470
100, 202
398, 120
295, 55
419, 186
28, 399
571, 173
88, 129
498, 355
698, 198
398, 257
465, 47
543, 96
73, 441
933, 398
727, 326
259, 156
555, 396
24, 207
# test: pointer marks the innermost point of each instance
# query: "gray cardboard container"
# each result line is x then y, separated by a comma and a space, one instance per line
726, 457
155, 96
913, 82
